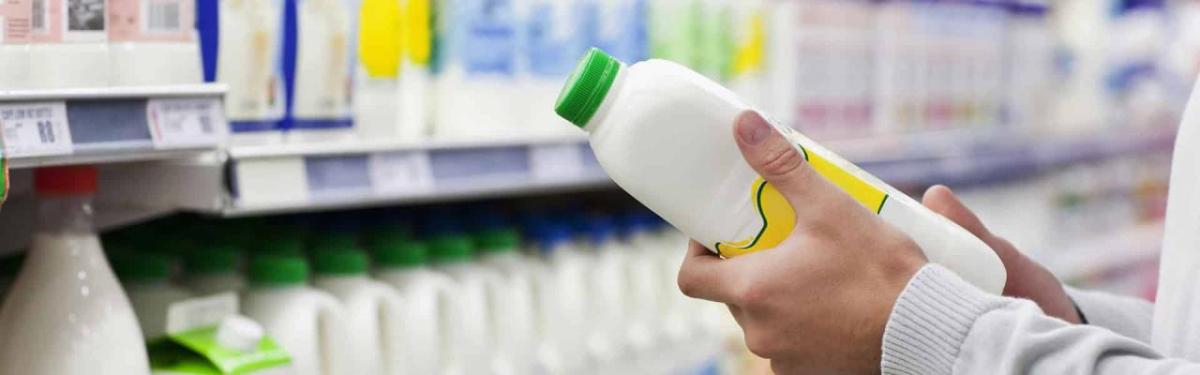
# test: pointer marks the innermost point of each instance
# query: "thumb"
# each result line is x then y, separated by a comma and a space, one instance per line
942, 200
774, 158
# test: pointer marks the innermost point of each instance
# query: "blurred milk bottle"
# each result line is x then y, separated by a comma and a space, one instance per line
241, 43
308, 323
561, 290
213, 270
145, 278
471, 346
608, 292
16, 18
512, 298
320, 106
374, 311
476, 73
644, 300
69, 44
427, 295
153, 42
551, 32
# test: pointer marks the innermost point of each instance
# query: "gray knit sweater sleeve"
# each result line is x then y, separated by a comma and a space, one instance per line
942, 325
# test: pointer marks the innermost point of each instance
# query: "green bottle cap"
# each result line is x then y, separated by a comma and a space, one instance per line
340, 261
400, 252
581, 97
140, 266
451, 249
212, 260
498, 240
278, 270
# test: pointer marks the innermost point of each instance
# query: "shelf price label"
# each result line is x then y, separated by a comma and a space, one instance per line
186, 122
401, 172
556, 162
36, 129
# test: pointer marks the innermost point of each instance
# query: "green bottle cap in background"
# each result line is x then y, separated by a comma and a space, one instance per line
340, 261
278, 270
400, 252
581, 97
498, 240
213, 260
451, 249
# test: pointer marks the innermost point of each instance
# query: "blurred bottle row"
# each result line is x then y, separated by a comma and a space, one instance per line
467, 292
406, 70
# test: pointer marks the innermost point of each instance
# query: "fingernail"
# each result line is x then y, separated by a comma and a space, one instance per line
752, 128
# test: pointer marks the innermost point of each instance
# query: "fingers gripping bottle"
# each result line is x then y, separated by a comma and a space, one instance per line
663, 133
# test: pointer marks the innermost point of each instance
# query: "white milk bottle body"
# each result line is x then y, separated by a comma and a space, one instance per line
213, 270
470, 346
15, 21
664, 134
325, 49
153, 42
416, 75
69, 44
422, 327
309, 324
561, 290
511, 297
65, 313
373, 311
552, 37
607, 291
477, 71
144, 276
377, 69
249, 61
645, 303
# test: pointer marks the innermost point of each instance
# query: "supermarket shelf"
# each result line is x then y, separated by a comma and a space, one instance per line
110, 125
1107, 253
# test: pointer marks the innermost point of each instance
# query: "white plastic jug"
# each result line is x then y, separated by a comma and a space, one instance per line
66, 314
144, 276
308, 323
664, 134
607, 293
153, 42
374, 311
470, 346
553, 34
401, 263
512, 298
561, 292
477, 70
213, 270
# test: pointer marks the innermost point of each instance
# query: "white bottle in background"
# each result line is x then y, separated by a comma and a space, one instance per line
512, 299
374, 312
213, 270
309, 324
477, 95
249, 61
560, 285
427, 295
380, 34
321, 107
153, 42
416, 76
607, 291
552, 37
69, 44
66, 314
645, 302
15, 28
144, 276
633, 114
471, 343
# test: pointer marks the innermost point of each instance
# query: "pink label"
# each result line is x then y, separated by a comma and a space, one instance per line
14, 21
54, 21
151, 20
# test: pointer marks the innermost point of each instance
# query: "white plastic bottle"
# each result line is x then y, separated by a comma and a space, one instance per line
65, 313
213, 270
402, 263
380, 34
374, 311
416, 74
249, 61
321, 109
308, 323
635, 117
643, 333
471, 343
15, 24
607, 292
153, 42
477, 70
561, 290
144, 276
552, 37
512, 298
69, 44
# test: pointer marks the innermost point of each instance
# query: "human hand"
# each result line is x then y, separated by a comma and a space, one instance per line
1026, 278
819, 301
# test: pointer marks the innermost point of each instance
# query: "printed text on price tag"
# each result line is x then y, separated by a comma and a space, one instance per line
36, 129
401, 172
186, 122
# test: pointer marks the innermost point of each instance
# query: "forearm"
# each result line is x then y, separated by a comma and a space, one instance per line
942, 325
1129, 317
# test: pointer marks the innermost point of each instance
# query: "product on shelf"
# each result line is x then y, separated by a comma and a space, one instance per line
145, 278
324, 59
243, 48
308, 323
213, 270
374, 311
562, 296
416, 74
471, 342
673, 27
607, 293
378, 112
477, 95
553, 33
16, 20
644, 301
512, 299
69, 46
153, 42
66, 314
631, 132
403, 263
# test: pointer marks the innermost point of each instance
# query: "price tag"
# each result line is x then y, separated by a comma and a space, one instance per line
556, 162
401, 172
186, 122
36, 129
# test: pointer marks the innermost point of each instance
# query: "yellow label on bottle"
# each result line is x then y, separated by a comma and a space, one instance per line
379, 38
418, 37
779, 218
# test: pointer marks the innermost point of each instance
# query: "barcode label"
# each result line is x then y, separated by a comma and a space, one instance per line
401, 172
186, 122
162, 16
36, 129
556, 162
